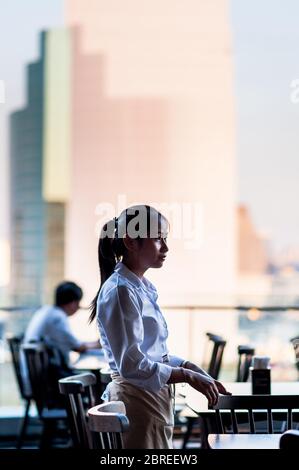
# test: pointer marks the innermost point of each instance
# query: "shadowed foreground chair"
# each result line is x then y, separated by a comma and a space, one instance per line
14, 343
108, 422
230, 412
81, 393
45, 393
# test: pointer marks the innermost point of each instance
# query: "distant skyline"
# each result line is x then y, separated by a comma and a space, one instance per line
266, 59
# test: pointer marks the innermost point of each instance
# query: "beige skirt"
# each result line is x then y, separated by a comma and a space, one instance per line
150, 415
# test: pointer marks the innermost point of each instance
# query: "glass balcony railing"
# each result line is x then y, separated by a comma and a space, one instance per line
268, 329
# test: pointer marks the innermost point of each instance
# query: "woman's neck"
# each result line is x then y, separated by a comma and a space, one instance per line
134, 267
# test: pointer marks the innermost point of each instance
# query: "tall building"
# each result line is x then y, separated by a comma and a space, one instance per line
37, 224
138, 107
252, 247
154, 121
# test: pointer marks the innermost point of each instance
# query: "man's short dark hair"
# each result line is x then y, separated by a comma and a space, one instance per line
67, 292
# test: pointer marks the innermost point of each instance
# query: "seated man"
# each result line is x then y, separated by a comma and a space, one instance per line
50, 325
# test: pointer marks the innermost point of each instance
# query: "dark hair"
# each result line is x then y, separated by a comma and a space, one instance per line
111, 247
67, 292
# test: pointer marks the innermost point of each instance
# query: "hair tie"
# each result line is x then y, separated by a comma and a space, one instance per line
116, 227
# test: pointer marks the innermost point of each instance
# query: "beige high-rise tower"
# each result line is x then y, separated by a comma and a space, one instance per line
153, 121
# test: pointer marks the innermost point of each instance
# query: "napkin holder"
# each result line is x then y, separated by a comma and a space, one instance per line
261, 381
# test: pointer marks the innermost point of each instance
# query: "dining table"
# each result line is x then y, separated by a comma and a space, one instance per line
198, 403
92, 360
243, 441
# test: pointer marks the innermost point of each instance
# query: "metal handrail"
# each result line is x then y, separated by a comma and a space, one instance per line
264, 308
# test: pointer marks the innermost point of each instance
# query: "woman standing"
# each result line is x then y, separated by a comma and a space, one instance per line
133, 330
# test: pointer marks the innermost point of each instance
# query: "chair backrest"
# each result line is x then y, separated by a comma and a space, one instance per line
246, 354
227, 406
14, 343
43, 367
80, 393
216, 344
107, 422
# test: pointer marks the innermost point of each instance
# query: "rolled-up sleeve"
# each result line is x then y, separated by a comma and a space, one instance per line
120, 316
175, 361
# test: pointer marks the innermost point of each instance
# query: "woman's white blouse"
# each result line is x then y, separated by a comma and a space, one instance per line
133, 330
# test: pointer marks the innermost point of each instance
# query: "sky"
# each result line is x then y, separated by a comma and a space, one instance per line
266, 47
265, 38
20, 23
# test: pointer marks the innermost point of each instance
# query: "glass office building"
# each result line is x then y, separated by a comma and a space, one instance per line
37, 224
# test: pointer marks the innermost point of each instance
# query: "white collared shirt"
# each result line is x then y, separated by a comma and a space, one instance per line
133, 330
51, 325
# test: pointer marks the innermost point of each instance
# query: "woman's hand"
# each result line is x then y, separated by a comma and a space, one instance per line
193, 367
205, 385
221, 388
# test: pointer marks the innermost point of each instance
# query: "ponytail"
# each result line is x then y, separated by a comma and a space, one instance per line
107, 260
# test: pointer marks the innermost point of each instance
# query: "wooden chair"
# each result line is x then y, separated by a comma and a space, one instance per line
14, 343
107, 422
218, 345
227, 417
212, 364
245, 358
80, 393
45, 392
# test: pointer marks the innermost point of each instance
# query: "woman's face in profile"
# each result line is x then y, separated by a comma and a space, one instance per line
152, 252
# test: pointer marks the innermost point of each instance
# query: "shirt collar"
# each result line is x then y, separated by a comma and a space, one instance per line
123, 270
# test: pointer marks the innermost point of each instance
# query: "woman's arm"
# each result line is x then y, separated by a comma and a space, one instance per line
191, 366
203, 383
